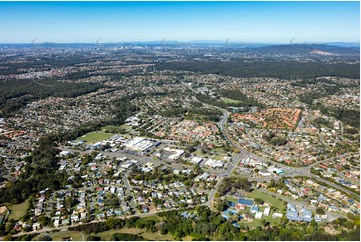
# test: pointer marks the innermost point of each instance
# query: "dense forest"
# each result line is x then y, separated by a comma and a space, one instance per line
244, 101
311, 96
348, 117
204, 113
15, 94
275, 140
234, 183
278, 69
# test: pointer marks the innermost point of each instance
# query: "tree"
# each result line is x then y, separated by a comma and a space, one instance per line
264, 222
320, 211
93, 238
45, 238
163, 230
259, 201
313, 223
8, 238
220, 205
126, 237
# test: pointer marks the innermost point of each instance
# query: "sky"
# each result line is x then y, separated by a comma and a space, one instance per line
262, 22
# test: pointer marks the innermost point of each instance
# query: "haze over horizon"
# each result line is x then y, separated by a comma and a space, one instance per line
252, 22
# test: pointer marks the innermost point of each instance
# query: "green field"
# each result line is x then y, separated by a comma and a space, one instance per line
18, 210
156, 236
106, 235
230, 101
95, 136
268, 199
217, 153
219, 156
232, 199
63, 235
257, 222
198, 152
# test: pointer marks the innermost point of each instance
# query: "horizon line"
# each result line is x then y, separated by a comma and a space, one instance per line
186, 41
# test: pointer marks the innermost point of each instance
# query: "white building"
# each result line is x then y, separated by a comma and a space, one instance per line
277, 215
196, 160
176, 155
266, 211
258, 215
214, 163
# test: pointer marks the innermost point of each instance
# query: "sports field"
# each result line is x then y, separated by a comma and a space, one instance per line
230, 101
95, 136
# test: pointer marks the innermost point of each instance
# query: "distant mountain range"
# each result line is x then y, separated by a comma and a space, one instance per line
322, 49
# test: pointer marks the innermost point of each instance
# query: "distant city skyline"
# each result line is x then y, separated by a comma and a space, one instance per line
260, 22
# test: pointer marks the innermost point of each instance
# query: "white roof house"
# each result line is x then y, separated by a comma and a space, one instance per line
258, 215
266, 211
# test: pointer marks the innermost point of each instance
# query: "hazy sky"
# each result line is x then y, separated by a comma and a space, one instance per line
22, 22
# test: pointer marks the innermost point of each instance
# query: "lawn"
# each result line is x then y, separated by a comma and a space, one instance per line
106, 235
63, 235
257, 222
95, 136
199, 153
232, 199
251, 224
219, 156
230, 101
156, 236
18, 210
268, 199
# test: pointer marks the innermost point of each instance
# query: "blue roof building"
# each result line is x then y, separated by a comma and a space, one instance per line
334, 208
232, 204
247, 202
306, 215
231, 211
225, 216
292, 215
235, 224
291, 207
254, 209
303, 215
